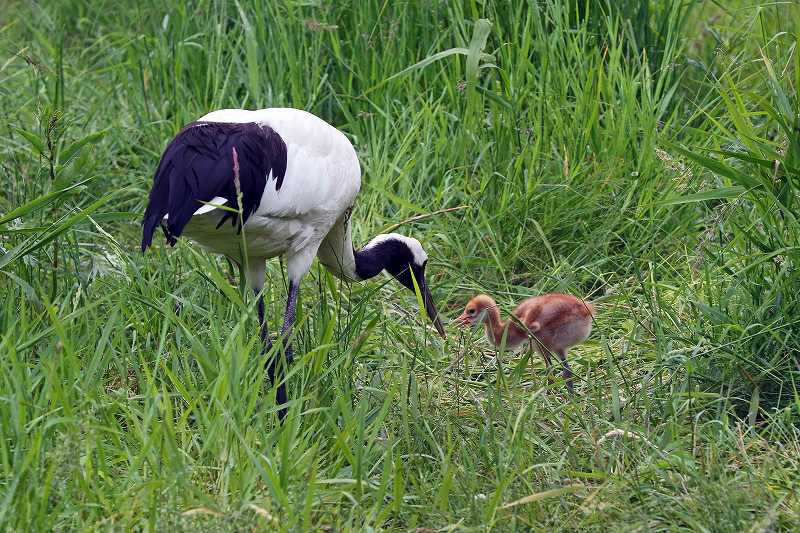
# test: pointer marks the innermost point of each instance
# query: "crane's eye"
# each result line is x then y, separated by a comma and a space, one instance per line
471, 312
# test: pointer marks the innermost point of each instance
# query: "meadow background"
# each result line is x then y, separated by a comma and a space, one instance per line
645, 155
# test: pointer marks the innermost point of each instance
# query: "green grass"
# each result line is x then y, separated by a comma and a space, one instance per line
643, 155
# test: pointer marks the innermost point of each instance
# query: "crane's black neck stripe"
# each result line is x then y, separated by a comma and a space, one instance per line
391, 255
198, 166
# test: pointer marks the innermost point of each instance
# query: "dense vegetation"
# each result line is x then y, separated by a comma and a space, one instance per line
643, 155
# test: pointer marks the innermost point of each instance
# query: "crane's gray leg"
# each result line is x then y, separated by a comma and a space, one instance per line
288, 319
280, 397
545, 352
277, 365
254, 272
567, 373
262, 321
256, 269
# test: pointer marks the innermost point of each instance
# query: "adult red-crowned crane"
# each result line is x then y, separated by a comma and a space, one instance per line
298, 177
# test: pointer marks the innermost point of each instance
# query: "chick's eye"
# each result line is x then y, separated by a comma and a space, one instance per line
470, 312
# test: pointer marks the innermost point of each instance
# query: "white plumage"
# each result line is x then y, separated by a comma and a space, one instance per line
322, 179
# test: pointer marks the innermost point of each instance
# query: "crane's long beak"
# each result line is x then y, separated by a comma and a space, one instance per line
430, 308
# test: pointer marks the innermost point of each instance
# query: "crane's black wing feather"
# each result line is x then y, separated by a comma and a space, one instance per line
197, 166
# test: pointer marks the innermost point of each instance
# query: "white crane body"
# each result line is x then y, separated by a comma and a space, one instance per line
322, 180
297, 177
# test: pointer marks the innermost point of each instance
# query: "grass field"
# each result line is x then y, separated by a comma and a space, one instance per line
643, 155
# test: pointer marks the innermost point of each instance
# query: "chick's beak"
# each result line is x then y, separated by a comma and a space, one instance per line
462, 321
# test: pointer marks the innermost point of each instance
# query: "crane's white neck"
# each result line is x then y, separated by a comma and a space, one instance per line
336, 251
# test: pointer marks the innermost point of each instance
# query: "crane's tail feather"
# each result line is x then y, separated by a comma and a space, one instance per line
197, 168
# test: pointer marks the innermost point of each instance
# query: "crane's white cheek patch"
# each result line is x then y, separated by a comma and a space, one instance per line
416, 248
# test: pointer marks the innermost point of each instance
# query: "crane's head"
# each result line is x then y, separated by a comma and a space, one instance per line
475, 311
405, 259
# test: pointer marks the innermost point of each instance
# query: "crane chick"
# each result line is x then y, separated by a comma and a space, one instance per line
551, 322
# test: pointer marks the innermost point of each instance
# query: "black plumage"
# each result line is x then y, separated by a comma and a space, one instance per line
198, 165
392, 255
